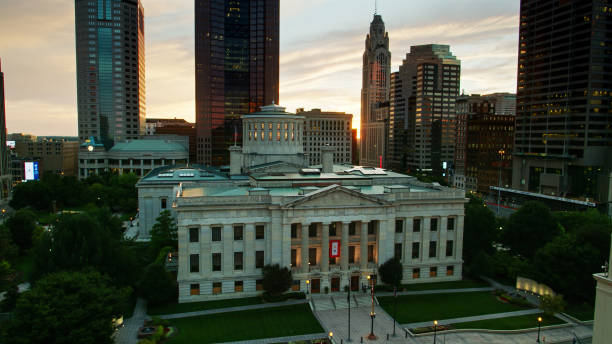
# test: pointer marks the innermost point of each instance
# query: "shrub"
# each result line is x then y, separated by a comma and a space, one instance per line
276, 280
391, 272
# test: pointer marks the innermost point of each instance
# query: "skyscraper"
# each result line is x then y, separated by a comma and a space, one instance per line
375, 94
5, 174
563, 140
110, 69
236, 62
430, 77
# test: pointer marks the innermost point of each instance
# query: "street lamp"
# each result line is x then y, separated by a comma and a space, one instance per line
307, 286
394, 308
539, 325
501, 155
371, 336
331, 336
435, 330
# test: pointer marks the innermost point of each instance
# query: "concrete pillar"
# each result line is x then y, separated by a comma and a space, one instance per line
235, 160
305, 246
277, 238
327, 159
228, 249
325, 247
443, 235
286, 245
425, 241
249, 248
344, 247
408, 240
205, 249
386, 240
363, 246
459, 241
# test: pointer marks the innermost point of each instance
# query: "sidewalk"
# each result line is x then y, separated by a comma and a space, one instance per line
473, 318
231, 309
129, 332
435, 291
281, 339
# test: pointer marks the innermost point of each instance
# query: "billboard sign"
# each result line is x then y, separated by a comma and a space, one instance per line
31, 170
10, 144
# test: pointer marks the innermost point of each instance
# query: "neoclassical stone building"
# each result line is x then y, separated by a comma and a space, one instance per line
278, 212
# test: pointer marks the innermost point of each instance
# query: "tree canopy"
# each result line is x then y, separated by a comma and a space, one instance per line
530, 228
276, 280
22, 226
391, 272
157, 284
164, 232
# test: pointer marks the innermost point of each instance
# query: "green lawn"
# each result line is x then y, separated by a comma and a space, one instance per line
510, 323
582, 312
445, 285
172, 308
245, 325
429, 307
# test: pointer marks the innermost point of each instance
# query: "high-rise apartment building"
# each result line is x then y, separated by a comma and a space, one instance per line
484, 141
236, 62
5, 174
375, 94
324, 128
430, 77
563, 141
110, 69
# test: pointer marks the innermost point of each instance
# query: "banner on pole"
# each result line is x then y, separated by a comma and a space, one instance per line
334, 248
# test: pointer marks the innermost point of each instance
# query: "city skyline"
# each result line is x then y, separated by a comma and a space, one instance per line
320, 67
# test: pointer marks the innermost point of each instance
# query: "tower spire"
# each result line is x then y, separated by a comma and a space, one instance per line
375, 7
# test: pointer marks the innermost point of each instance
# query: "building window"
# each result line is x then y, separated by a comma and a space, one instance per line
294, 230
260, 232
194, 235
432, 249
434, 225
259, 259
415, 250
164, 203
450, 224
259, 284
351, 254
332, 229
371, 227
416, 225
216, 262
332, 261
312, 230
295, 286
312, 256
238, 232
433, 271
194, 263
398, 251
293, 257
216, 233
450, 270
237, 260
217, 288
399, 226
352, 228
370, 253
416, 273
449, 248
194, 289
238, 286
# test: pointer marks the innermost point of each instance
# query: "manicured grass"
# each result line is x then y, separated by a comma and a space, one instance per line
582, 311
245, 325
510, 323
445, 285
417, 308
172, 308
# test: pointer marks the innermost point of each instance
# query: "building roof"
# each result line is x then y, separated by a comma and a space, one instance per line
148, 146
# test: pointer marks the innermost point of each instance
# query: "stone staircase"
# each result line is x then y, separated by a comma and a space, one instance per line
339, 301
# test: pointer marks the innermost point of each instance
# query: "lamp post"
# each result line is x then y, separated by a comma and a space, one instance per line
331, 336
394, 308
435, 330
371, 336
501, 156
539, 325
307, 286
348, 298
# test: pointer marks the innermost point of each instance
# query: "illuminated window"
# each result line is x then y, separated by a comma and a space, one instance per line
194, 289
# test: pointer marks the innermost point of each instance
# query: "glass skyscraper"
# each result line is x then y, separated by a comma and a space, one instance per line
110, 69
236, 57
5, 178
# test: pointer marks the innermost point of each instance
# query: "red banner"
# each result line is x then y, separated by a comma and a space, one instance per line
334, 248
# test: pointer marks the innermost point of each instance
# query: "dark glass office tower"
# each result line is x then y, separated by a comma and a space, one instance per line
563, 139
236, 56
5, 177
110, 69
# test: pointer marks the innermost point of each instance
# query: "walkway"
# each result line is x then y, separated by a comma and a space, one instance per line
129, 332
231, 309
473, 318
282, 339
436, 291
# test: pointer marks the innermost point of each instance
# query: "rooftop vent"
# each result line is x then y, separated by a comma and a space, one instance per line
310, 171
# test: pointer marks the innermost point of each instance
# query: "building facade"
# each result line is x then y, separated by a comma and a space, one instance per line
397, 147
176, 126
602, 332
110, 60
236, 63
430, 77
484, 142
5, 160
54, 154
374, 92
324, 128
563, 144
274, 210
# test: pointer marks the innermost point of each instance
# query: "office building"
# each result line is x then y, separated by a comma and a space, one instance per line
375, 94
273, 209
563, 141
236, 64
5, 166
484, 142
397, 147
174, 126
324, 128
56, 155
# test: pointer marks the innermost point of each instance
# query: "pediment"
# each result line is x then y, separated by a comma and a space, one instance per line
334, 196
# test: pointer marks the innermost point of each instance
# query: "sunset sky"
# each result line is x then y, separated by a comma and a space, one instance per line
321, 47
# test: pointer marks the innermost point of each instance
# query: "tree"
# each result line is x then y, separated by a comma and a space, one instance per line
276, 280
164, 232
391, 272
22, 226
480, 232
67, 307
6, 275
35, 194
530, 228
7, 246
551, 304
157, 284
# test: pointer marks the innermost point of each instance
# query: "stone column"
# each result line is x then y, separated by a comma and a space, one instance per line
304, 248
248, 258
228, 249
205, 249
363, 246
286, 245
425, 241
277, 238
386, 240
442, 238
325, 247
408, 239
344, 247
459, 238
